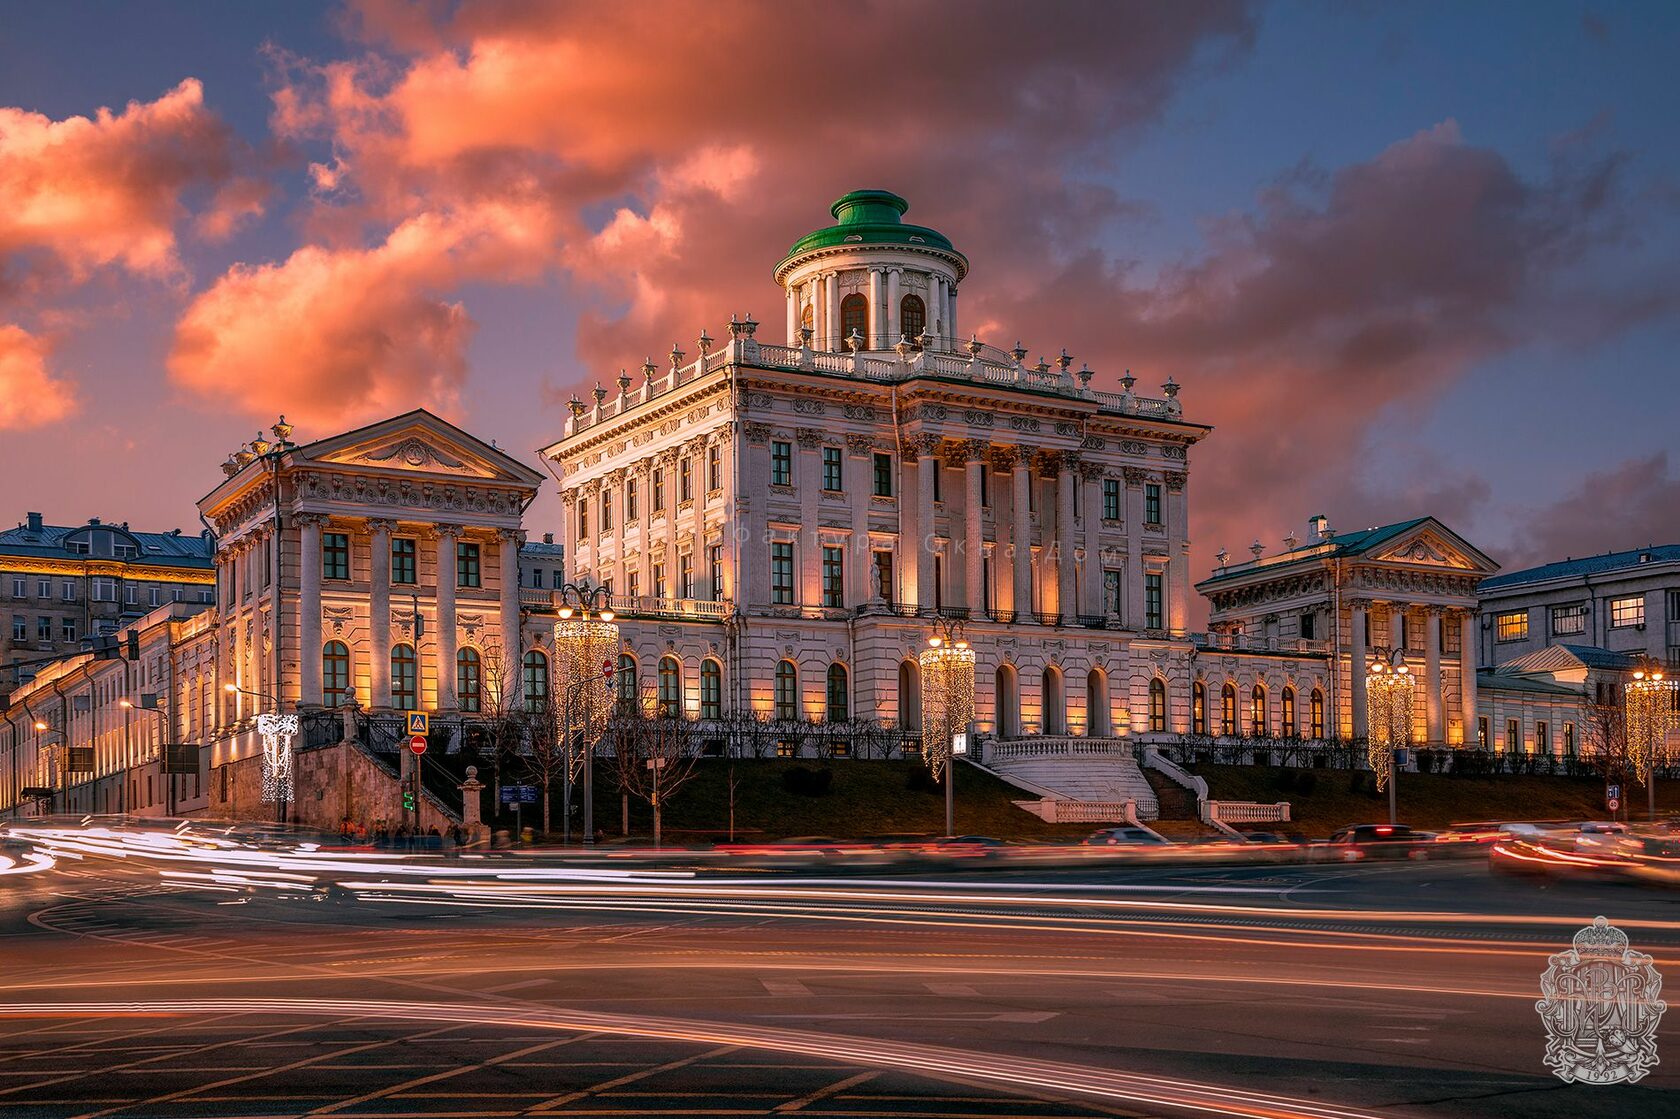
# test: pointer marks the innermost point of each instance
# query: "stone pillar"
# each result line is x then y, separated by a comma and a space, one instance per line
568, 531
1133, 590
860, 486
447, 537
808, 477
951, 313
379, 613
471, 822
813, 299
667, 551
1467, 674
1090, 594
1432, 675
927, 449
936, 308
1396, 626
1178, 549
792, 316
877, 310
1066, 600
1357, 656
974, 546
1020, 517
309, 607
895, 293
725, 438
831, 311
513, 644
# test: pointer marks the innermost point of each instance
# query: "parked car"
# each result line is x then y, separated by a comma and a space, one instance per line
1126, 837
1379, 841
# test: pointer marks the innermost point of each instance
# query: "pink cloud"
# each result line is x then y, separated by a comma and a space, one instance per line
1629, 505
31, 394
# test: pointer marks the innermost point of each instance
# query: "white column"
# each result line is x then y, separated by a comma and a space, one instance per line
1357, 657
1020, 515
974, 546
379, 613
895, 293
831, 312
309, 607
1091, 593
792, 316
928, 448
513, 644
1134, 480
1178, 551
1467, 674
1066, 602
447, 537
859, 480
807, 477
951, 313
877, 310
1432, 674
936, 307
1396, 625
813, 299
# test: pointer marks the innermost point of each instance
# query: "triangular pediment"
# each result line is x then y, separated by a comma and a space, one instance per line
420, 443
1432, 544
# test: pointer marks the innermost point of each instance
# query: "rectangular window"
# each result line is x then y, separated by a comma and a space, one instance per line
629, 501
884, 574
659, 490
685, 575
714, 559
1674, 606
67, 630
1568, 621
633, 583
1542, 738
833, 575
1152, 600
781, 463
1512, 626
583, 521
67, 591
781, 573
938, 472
105, 589
659, 581
43, 629
714, 468
685, 479
1513, 735
403, 560
606, 511
43, 588
1482, 732
1152, 505
1625, 612
536, 577
883, 475
20, 586
467, 565
1111, 499
1569, 739
335, 555
832, 466
1309, 626
154, 595
986, 584
20, 628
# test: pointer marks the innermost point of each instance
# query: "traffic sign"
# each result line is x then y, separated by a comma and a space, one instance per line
1613, 792
959, 744
419, 722
417, 745
519, 794
1614, 803
607, 667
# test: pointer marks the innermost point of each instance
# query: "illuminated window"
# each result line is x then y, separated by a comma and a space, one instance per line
781, 573
624, 681
854, 318
469, 680
1569, 620
685, 479
1513, 735
714, 554
1157, 705
1289, 713
685, 575
1228, 710
335, 673
404, 694
536, 681
714, 468
606, 510
711, 689
1512, 626
1317, 713
839, 694
1257, 721
787, 690
659, 490
1198, 708
1627, 612
670, 687
629, 499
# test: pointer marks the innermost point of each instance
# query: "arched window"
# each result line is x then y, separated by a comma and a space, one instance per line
1257, 721
1157, 704
807, 318
1316, 713
711, 689
1008, 703
1198, 708
670, 687
1055, 701
1228, 710
404, 695
912, 317
787, 690
536, 681
1096, 702
909, 696
469, 680
839, 694
854, 315
1289, 728
335, 674
625, 683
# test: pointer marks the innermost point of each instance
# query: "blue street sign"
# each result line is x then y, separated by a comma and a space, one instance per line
1613, 792
519, 794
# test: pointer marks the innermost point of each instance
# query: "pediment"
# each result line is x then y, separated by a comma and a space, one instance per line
1429, 545
421, 443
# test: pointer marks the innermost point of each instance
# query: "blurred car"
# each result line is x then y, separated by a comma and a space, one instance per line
1379, 841
1126, 837
1270, 837
1599, 837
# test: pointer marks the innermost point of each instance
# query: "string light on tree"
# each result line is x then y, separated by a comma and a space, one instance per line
1649, 707
1389, 689
586, 645
947, 693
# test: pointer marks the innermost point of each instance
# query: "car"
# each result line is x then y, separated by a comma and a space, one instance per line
1263, 837
1599, 837
1126, 837
1379, 841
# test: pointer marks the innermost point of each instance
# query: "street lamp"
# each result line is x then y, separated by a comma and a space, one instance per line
1649, 706
1388, 717
947, 703
42, 728
169, 777
277, 732
586, 644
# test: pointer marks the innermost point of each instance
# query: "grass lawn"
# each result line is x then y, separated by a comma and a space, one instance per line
1426, 800
863, 798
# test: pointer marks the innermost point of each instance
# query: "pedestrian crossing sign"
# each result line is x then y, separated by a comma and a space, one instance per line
419, 722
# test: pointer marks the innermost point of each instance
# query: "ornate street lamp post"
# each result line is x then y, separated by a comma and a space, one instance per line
1388, 717
1649, 706
586, 644
277, 733
947, 703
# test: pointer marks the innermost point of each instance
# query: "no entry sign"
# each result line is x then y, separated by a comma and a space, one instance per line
417, 745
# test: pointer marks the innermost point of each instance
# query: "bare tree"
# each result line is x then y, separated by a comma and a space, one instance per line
750, 734
654, 755
1604, 741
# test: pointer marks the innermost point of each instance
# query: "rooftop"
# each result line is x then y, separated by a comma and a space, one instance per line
35, 538
1590, 565
872, 217
1342, 544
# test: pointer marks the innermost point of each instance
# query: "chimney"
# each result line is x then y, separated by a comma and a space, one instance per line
1318, 528
548, 538
93, 520
34, 522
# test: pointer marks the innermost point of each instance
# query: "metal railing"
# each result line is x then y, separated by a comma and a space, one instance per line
536, 600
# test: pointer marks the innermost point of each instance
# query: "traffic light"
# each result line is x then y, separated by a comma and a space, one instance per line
408, 800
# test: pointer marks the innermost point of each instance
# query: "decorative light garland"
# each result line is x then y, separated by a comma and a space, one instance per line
1648, 702
585, 649
947, 695
1388, 716
277, 733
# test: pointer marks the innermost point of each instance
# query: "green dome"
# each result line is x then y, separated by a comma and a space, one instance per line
872, 217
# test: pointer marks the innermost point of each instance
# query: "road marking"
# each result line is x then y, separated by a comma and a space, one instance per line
782, 988
955, 990
631, 1078
520, 986
393, 1089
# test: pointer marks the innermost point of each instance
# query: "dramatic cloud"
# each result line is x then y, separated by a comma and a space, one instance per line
1627, 506
110, 189
31, 395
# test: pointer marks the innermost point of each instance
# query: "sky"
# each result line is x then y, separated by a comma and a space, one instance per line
1407, 259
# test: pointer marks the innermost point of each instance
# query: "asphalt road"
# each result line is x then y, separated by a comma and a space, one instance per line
1381, 989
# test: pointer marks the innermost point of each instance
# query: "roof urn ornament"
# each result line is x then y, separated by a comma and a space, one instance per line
1290, 541
1258, 549
1019, 353
854, 341
576, 406
1085, 374
260, 446
749, 325
1221, 557
623, 382
1042, 366
230, 467
677, 354
243, 456
974, 346
282, 431
600, 394
704, 342
648, 370
736, 328
1174, 408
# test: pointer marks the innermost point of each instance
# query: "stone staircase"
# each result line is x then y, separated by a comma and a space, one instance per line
1180, 818
1074, 772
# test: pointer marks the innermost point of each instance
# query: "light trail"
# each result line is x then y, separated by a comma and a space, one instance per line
963, 1066
28, 862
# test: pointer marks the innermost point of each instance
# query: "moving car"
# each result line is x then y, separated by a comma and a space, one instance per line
1126, 837
1379, 841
